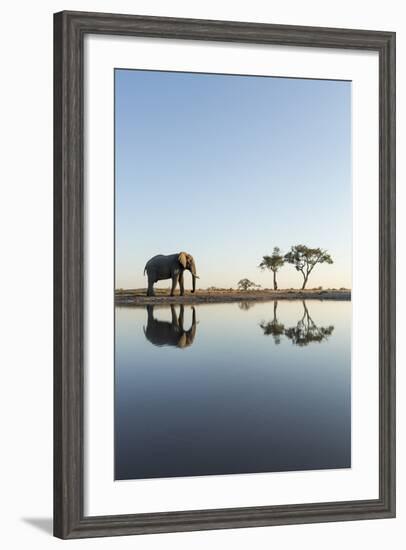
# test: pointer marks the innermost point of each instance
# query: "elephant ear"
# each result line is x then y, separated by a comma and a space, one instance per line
183, 259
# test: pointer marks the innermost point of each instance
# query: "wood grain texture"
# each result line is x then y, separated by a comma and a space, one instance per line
69, 30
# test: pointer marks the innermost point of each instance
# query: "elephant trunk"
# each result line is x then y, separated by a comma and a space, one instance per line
194, 275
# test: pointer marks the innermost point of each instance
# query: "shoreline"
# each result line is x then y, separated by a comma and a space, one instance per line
138, 297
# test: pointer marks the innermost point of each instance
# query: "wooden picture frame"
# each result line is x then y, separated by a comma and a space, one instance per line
69, 31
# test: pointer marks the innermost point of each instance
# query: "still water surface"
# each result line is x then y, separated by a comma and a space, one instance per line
232, 388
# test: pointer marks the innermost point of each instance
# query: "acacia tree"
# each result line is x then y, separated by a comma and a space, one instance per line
273, 263
305, 259
246, 284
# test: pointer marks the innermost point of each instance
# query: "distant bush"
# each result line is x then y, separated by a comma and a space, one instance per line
246, 284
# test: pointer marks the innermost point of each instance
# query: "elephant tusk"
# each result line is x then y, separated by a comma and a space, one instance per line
196, 276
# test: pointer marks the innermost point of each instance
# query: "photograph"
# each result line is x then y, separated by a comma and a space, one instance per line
233, 274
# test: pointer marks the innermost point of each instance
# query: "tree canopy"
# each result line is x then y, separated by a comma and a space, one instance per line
273, 263
305, 259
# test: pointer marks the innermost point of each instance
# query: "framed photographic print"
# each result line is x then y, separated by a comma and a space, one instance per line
224, 274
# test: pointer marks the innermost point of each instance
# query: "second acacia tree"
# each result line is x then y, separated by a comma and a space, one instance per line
305, 259
273, 263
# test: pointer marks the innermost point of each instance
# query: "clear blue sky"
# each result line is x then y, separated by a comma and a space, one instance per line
227, 167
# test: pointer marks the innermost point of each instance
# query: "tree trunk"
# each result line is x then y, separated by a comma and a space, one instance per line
304, 283
275, 285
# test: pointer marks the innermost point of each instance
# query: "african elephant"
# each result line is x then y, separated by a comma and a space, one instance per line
170, 267
165, 333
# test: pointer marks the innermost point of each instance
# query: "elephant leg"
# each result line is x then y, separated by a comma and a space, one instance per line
181, 287
174, 282
181, 317
150, 313
150, 291
174, 317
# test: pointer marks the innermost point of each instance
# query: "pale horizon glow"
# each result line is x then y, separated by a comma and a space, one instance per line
227, 167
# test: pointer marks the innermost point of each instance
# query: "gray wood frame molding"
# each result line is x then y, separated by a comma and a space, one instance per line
69, 30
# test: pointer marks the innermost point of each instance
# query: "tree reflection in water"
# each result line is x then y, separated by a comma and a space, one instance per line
273, 328
246, 305
302, 334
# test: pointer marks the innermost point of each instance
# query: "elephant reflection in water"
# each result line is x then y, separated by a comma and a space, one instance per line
165, 333
305, 332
